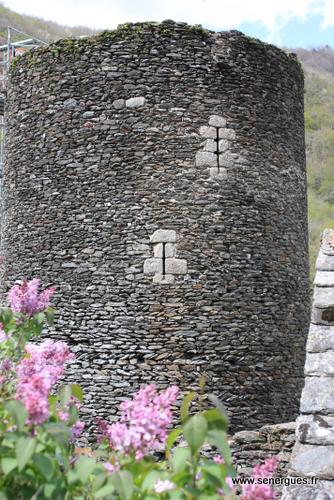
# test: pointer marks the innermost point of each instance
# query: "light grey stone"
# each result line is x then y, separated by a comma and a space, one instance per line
163, 236
315, 429
70, 103
164, 279
135, 102
176, 266
226, 133
322, 315
210, 145
69, 265
223, 145
218, 173
320, 363
317, 395
88, 114
118, 103
248, 437
170, 250
324, 278
312, 460
208, 132
226, 160
157, 250
152, 266
323, 296
320, 338
285, 427
217, 121
327, 241
206, 159
322, 490
325, 262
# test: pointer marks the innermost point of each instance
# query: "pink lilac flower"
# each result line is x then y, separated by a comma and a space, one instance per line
144, 422
3, 334
162, 486
63, 416
261, 491
37, 373
27, 300
218, 459
109, 467
6, 365
232, 488
77, 429
230, 484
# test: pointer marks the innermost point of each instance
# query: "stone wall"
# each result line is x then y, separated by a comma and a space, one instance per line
250, 448
313, 454
164, 129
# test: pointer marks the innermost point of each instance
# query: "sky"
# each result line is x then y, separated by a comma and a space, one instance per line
289, 23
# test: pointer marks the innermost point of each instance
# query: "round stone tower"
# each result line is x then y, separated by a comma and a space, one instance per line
155, 175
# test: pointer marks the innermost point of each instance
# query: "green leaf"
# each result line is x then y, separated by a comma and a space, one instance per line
6, 315
73, 415
53, 400
58, 431
99, 479
150, 480
84, 467
172, 437
39, 318
184, 411
194, 432
218, 404
25, 447
219, 439
214, 474
179, 459
106, 490
18, 412
175, 495
216, 420
44, 464
50, 314
49, 490
202, 383
77, 391
123, 482
65, 395
8, 464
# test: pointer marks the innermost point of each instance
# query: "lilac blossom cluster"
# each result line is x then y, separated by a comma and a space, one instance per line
37, 373
144, 422
27, 300
261, 491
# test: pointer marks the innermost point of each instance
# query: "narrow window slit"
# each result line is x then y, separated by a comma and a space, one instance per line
217, 147
164, 258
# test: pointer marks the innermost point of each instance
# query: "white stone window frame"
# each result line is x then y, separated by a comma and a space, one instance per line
164, 265
216, 154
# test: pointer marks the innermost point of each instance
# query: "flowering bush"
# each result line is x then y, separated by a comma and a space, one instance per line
38, 428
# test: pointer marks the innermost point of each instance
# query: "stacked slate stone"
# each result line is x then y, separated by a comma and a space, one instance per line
103, 136
313, 454
250, 448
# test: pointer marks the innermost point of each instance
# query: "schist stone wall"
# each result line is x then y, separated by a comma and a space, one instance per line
155, 175
313, 453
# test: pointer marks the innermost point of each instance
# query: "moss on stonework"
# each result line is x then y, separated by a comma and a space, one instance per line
127, 31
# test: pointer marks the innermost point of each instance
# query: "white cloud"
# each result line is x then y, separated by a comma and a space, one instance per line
328, 18
216, 14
